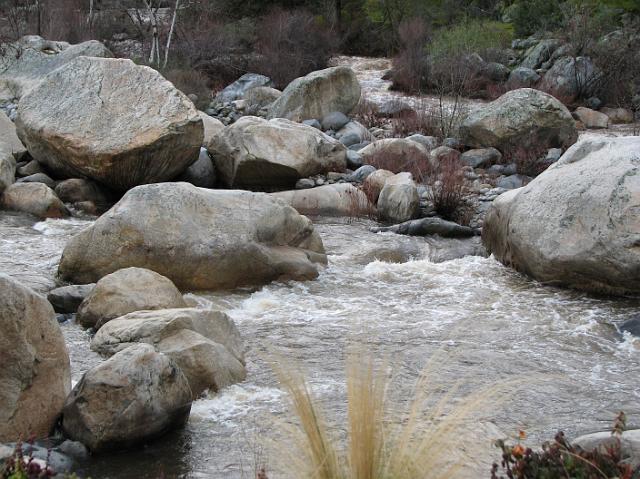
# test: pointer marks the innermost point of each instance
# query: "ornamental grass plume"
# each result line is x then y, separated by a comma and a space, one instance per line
431, 439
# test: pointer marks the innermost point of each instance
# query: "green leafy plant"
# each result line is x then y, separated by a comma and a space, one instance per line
560, 459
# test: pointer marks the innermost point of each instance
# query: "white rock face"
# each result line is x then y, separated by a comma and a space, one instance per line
318, 94
198, 238
254, 153
35, 373
112, 121
576, 224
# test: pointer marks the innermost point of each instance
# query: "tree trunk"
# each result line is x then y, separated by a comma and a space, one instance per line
173, 24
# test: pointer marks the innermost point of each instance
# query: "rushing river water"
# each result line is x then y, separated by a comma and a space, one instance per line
493, 323
387, 291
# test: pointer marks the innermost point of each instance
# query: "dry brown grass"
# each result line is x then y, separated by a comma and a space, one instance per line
425, 441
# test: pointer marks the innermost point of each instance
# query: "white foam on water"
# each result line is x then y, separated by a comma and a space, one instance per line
236, 402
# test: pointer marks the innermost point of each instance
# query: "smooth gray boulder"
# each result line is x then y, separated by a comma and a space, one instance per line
522, 77
110, 120
35, 373
200, 239
34, 198
77, 190
591, 118
205, 344
540, 53
573, 225
7, 168
202, 173
260, 97
629, 444
631, 326
355, 129
429, 226
520, 119
317, 94
334, 121
572, 77
212, 128
67, 299
238, 88
27, 61
339, 199
399, 200
148, 395
39, 178
254, 153
481, 157
208, 365
152, 327
124, 291
9, 140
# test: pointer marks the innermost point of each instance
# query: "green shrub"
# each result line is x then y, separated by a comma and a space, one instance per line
471, 36
531, 16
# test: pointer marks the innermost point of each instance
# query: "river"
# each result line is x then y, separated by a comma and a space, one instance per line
493, 323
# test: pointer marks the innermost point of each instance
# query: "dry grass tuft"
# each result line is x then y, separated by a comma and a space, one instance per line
432, 439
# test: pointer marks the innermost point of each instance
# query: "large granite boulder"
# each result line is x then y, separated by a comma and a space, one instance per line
152, 327
200, 239
110, 120
571, 78
399, 200
540, 53
127, 290
238, 88
317, 94
34, 198
9, 138
136, 395
254, 153
35, 373
340, 199
27, 61
520, 119
576, 224
212, 127
11, 149
205, 344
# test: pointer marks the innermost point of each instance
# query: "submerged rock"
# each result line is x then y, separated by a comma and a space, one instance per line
430, 226
35, 373
199, 239
112, 121
574, 225
148, 395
